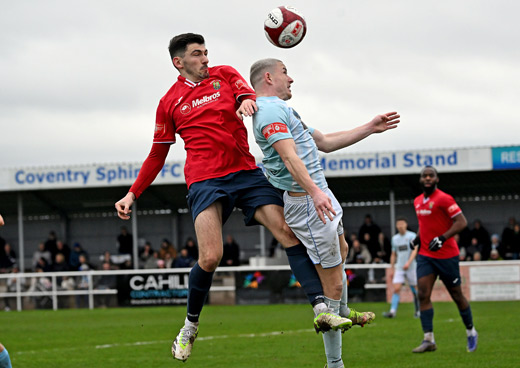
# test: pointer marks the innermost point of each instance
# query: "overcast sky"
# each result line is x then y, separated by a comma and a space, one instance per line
80, 80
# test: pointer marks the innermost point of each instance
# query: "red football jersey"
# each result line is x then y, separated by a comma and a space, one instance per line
435, 214
204, 116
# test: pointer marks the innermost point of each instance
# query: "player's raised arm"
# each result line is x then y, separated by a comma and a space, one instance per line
286, 148
334, 141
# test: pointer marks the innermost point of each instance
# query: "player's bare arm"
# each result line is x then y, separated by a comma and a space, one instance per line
459, 223
124, 204
247, 108
413, 254
2, 223
286, 148
334, 141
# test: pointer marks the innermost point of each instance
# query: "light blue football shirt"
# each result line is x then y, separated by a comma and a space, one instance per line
275, 121
401, 246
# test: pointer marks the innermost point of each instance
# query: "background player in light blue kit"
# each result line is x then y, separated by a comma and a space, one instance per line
402, 264
292, 164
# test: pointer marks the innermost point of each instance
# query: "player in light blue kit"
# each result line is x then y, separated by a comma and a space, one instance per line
402, 264
292, 164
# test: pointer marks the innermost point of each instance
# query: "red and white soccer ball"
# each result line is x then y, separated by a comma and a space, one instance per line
285, 27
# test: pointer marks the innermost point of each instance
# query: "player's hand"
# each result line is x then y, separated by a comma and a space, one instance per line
415, 242
247, 107
406, 266
323, 206
123, 206
437, 243
384, 122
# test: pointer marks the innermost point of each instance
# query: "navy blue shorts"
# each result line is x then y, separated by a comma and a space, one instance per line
247, 190
447, 269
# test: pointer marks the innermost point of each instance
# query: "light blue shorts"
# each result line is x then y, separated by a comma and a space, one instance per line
321, 240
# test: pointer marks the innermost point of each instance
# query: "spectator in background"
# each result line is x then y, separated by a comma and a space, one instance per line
480, 232
168, 260
63, 248
231, 255
146, 253
82, 300
494, 255
184, 259
41, 252
125, 241
507, 239
477, 257
42, 264
464, 238
359, 253
192, 248
516, 241
167, 248
106, 282
60, 265
372, 229
475, 247
384, 250
151, 262
11, 284
7, 259
51, 244
74, 262
106, 257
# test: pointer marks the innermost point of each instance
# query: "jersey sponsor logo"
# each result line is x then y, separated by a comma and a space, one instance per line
423, 212
240, 84
274, 128
402, 248
216, 84
453, 208
204, 100
185, 108
159, 127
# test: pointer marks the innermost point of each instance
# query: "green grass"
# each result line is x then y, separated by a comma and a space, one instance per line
254, 336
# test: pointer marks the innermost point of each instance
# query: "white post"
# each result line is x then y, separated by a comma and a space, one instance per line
262, 242
90, 294
135, 236
20, 234
392, 213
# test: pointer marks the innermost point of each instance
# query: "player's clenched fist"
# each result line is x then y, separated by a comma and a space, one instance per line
123, 206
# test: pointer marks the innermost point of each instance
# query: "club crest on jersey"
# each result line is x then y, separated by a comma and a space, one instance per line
274, 128
240, 84
430, 205
216, 84
185, 108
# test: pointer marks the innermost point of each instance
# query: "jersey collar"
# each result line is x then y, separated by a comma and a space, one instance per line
187, 82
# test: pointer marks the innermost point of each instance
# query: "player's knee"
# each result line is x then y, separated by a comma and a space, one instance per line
285, 236
210, 262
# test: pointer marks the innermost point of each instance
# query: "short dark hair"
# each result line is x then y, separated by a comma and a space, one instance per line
401, 218
179, 43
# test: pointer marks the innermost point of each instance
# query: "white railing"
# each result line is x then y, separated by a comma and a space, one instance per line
54, 290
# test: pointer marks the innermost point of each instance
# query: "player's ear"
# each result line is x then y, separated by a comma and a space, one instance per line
268, 78
177, 62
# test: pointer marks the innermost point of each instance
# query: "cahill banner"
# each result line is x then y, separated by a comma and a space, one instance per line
358, 164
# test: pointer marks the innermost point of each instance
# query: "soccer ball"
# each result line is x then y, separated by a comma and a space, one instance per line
285, 27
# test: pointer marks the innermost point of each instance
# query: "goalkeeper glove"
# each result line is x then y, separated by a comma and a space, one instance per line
437, 243
414, 243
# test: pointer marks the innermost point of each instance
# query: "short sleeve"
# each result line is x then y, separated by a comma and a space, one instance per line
274, 125
164, 126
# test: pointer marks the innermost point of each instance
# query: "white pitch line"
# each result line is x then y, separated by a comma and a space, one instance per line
139, 343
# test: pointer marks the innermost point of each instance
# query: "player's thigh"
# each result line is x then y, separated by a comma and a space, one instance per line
208, 228
411, 276
271, 216
398, 276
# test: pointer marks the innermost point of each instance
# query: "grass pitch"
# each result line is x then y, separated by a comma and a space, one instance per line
254, 336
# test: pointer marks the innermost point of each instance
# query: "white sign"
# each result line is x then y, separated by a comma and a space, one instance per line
500, 273
480, 292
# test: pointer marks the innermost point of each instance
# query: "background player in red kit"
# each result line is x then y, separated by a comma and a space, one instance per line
204, 107
439, 219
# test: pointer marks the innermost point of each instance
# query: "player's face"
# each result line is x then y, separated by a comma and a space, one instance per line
282, 82
401, 226
428, 179
193, 65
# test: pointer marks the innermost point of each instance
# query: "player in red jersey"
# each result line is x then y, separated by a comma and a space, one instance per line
204, 107
439, 219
